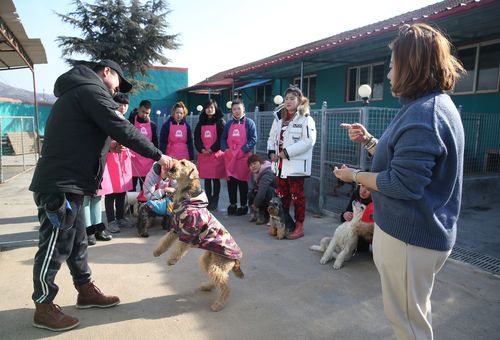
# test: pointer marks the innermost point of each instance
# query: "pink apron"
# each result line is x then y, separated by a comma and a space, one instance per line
141, 165
117, 176
235, 159
210, 165
177, 142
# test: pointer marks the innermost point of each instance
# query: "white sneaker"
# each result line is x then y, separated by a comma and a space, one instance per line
113, 227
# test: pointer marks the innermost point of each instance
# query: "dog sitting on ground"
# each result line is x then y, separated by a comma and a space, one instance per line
280, 222
146, 218
194, 226
343, 243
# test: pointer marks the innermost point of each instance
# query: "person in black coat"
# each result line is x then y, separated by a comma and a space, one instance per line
71, 166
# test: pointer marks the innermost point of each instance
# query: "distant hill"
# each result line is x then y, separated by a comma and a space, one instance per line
24, 95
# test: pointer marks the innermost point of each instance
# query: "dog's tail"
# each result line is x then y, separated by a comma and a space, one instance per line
237, 269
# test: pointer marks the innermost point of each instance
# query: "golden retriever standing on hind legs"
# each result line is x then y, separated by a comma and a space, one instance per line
194, 226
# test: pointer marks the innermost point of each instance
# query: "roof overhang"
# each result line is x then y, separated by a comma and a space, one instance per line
16, 49
253, 84
370, 43
212, 87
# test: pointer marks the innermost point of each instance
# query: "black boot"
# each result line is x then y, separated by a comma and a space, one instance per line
231, 210
91, 230
243, 210
101, 233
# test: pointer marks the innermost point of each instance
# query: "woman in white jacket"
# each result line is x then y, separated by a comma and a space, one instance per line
290, 146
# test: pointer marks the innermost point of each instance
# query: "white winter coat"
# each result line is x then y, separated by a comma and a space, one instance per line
298, 141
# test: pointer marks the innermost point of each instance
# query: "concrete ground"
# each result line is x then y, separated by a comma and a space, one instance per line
286, 293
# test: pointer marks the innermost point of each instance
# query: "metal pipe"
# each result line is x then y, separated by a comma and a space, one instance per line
362, 152
324, 139
22, 144
302, 76
38, 143
1, 151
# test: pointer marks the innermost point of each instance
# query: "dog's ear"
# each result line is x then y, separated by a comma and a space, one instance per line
194, 174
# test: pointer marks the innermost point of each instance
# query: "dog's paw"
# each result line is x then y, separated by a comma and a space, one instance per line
315, 248
171, 262
337, 266
156, 253
206, 287
280, 233
324, 260
216, 306
143, 233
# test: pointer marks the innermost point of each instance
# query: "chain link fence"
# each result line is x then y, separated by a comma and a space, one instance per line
18, 146
333, 147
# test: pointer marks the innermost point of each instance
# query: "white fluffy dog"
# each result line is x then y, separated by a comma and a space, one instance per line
344, 240
131, 201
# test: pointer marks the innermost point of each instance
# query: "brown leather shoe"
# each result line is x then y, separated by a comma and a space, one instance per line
90, 296
49, 316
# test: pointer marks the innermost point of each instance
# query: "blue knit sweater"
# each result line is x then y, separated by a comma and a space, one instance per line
419, 159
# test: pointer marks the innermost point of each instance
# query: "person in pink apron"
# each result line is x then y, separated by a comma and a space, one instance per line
175, 136
140, 119
238, 140
117, 177
207, 135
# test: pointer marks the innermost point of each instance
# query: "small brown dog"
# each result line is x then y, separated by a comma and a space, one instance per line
194, 226
280, 221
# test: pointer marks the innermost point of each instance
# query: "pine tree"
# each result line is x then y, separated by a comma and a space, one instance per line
133, 35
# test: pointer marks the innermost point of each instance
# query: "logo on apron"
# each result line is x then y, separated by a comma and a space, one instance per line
236, 133
178, 133
144, 131
208, 134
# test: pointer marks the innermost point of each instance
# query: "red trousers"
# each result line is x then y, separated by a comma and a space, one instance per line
290, 190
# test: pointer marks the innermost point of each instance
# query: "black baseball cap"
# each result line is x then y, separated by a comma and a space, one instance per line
125, 85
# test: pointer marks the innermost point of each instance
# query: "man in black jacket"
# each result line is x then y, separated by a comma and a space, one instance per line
71, 166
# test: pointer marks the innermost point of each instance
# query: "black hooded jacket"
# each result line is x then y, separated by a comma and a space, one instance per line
75, 142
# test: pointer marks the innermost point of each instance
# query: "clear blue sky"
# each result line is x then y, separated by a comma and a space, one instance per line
215, 35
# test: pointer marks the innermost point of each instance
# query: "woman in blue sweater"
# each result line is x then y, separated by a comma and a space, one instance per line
416, 177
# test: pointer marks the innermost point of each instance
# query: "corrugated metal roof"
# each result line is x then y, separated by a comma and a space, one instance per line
33, 48
432, 12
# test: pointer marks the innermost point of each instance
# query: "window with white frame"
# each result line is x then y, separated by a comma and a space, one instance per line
308, 87
263, 96
372, 75
482, 63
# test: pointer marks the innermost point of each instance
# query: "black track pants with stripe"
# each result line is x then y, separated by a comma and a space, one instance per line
56, 246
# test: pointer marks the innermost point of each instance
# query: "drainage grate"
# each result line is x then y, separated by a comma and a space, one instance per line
482, 261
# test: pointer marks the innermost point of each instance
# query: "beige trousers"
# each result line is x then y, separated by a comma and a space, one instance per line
407, 275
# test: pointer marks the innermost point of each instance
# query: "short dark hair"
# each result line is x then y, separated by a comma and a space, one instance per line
237, 102
218, 113
145, 103
254, 158
122, 98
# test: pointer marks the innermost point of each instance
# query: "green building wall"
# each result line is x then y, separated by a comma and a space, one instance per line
22, 109
167, 80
